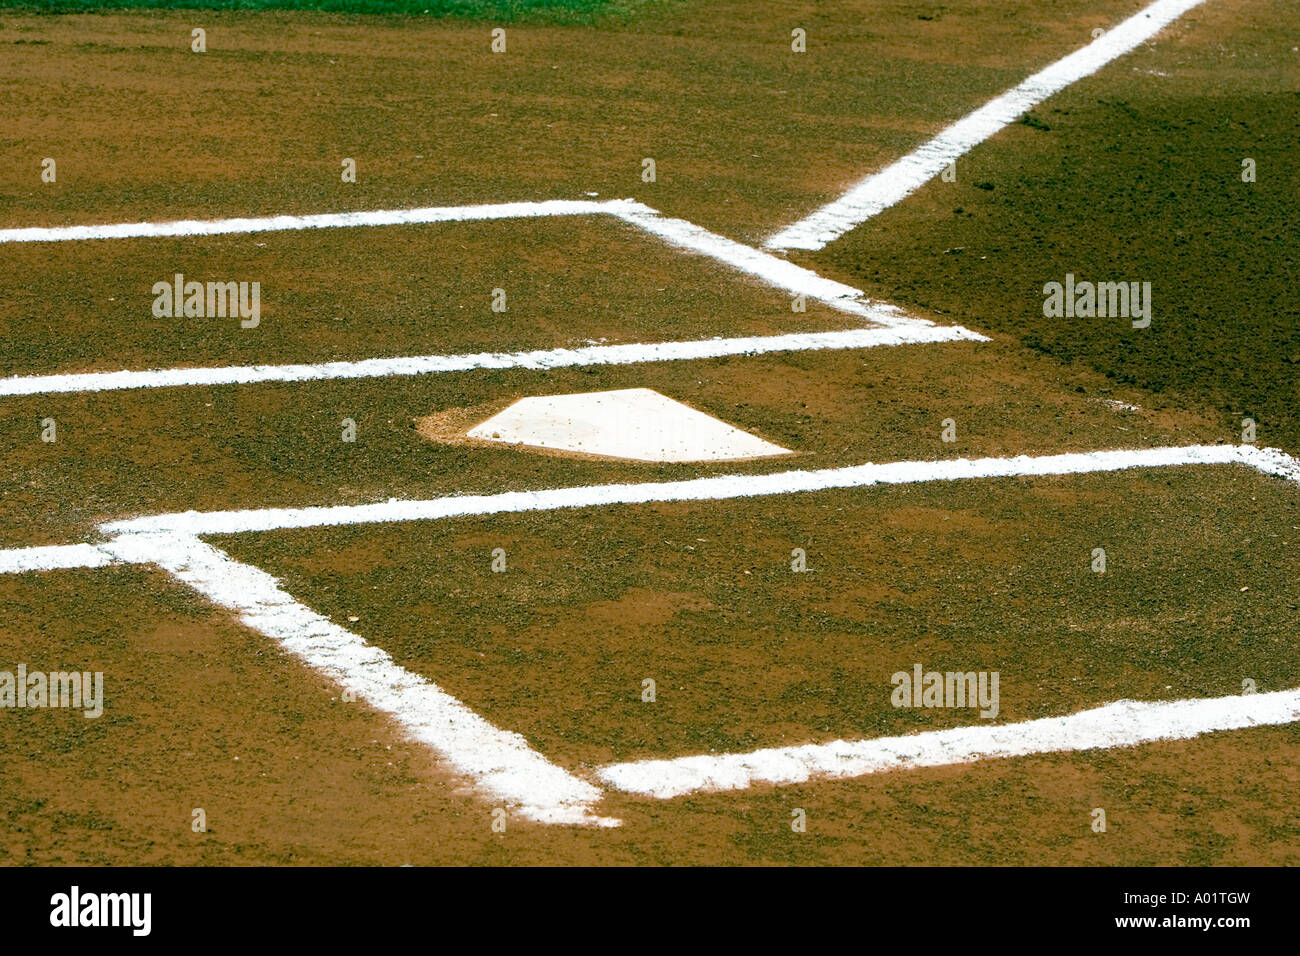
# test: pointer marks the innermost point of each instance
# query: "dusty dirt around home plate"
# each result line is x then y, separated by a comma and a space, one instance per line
1135, 169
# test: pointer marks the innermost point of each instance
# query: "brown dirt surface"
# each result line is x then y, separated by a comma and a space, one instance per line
203, 714
348, 294
279, 445
260, 123
991, 575
1130, 173
1134, 173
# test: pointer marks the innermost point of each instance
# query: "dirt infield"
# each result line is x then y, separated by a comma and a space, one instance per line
123, 453
207, 717
259, 123
351, 294
748, 654
1133, 173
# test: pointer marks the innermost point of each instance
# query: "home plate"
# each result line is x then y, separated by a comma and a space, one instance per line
631, 423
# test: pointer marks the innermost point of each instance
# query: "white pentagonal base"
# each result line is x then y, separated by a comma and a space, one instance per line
633, 423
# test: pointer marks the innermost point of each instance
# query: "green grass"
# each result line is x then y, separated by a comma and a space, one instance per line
551, 11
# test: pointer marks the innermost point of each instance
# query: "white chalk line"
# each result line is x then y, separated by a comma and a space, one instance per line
339, 220
628, 354
501, 765
776, 272
716, 488
54, 557
1271, 461
1124, 723
899, 180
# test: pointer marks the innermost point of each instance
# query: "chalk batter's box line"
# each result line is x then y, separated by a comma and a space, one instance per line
502, 765
676, 233
566, 798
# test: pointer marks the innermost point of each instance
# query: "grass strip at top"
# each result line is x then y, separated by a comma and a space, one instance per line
550, 11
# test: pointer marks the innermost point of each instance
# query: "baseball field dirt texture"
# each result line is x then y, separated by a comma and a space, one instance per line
1013, 282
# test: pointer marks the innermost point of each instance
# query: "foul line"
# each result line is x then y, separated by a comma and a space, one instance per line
887, 187
500, 764
721, 487
773, 270
538, 359
1124, 723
